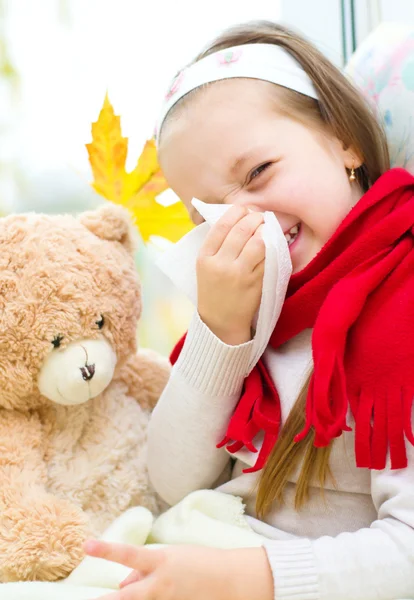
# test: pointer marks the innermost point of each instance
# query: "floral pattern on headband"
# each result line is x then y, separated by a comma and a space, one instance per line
175, 85
228, 57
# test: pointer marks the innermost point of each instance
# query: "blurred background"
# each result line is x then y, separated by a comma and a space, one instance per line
59, 57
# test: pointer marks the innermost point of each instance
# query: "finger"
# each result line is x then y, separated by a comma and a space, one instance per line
141, 559
141, 590
254, 251
137, 591
240, 234
218, 233
132, 578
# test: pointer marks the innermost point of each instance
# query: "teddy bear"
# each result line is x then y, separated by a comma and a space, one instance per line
75, 395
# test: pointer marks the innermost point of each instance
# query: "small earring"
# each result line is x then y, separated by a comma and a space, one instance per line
352, 175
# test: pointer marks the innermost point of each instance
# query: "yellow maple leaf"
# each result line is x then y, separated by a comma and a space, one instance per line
107, 154
147, 167
138, 189
170, 222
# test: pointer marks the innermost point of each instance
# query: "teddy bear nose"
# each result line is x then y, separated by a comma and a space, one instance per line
88, 371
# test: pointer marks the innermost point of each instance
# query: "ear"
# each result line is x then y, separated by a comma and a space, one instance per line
112, 223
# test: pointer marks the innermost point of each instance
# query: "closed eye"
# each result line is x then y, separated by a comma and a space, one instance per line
258, 170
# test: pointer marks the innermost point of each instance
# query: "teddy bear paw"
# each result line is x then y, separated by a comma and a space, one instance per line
41, 540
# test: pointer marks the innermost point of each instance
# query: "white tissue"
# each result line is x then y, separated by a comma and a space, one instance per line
179, 264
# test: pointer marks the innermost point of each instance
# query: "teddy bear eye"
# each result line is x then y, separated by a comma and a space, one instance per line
56, 341
101, 322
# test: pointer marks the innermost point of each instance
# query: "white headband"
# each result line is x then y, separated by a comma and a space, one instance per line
267, 62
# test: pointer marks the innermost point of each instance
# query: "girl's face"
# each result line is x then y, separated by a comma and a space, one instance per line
230, 146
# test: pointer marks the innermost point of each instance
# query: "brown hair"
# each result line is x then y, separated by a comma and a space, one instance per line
344, 113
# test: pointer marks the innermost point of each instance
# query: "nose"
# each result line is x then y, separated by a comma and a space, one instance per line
245, 199
88, 371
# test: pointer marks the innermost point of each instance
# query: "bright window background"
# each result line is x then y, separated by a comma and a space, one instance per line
68, 53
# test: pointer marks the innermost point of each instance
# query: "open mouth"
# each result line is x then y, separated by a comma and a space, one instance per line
292, 234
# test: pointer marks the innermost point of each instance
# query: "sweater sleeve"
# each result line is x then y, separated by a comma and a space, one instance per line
193, 412
376, 563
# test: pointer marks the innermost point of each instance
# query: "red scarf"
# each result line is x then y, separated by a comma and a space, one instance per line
358, 296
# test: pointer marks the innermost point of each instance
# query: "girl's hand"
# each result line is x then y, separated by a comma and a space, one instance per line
230, 270
189, 572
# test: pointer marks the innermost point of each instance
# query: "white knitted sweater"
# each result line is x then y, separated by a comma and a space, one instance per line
356, 543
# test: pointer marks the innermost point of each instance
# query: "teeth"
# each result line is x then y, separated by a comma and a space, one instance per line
291, 235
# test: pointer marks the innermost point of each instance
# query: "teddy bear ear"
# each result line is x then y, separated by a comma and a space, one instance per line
112, 223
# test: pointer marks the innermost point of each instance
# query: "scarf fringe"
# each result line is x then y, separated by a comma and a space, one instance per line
408, 399
382, 424
383, 421
257, 411
325, 416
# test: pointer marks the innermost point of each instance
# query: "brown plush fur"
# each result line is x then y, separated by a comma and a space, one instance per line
66, 471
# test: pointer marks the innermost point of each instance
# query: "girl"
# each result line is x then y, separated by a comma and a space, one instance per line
317, 439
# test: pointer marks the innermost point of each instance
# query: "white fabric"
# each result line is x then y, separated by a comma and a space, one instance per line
205, 517
179, 264
266, 62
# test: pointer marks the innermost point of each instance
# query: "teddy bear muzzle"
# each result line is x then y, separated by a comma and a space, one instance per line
77, 373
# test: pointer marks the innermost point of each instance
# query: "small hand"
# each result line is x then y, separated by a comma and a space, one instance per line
230, 269
188, 572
